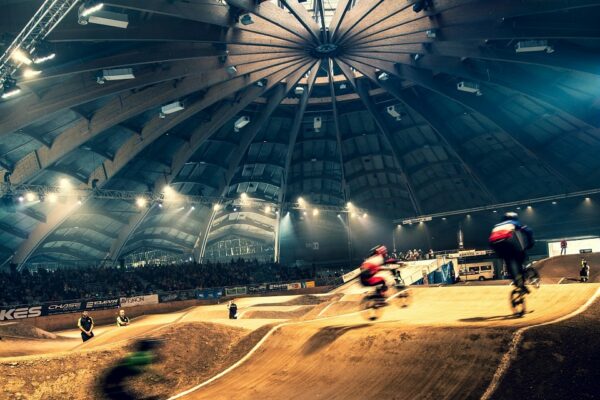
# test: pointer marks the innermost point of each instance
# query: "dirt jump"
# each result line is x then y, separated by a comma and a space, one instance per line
449, 343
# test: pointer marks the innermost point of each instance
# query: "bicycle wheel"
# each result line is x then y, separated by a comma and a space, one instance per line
371, 308
517, 301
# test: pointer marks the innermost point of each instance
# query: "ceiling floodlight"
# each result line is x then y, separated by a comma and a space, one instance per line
383, 76
43, 59
343, 86
317, 123
240, 123
52, 197
21, 57
299, 90
10, 89
469, 87
231, 70
30, 196
171, 108
31, 73
117, 74
431, 33
216, 207
528, 46
90, 7
109, 18
315, 212
141, 202
391, 110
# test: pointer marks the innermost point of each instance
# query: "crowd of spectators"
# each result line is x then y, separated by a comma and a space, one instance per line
414, 255
27, 287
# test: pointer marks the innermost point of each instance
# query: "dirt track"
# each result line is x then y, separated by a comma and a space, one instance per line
565, 269
446, 344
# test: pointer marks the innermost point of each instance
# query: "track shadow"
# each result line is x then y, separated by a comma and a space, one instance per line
326, 336
493, 318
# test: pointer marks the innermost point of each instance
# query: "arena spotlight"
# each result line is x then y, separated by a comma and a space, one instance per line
65, 184
90, 7
141, 202
469, 87
31, 73
339, 216
44, 58
315, 212
231, 70
317, 124
21, 199
79, 201
244, 196
383, 76
554, 202
52, 197
10, 88
365, 215
21, 57
529, 46
268, 209
170, 109
160, 204
30, 196
352, 215
216, 207
240, 123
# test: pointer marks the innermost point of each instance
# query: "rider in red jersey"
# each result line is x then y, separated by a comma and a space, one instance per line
373, 270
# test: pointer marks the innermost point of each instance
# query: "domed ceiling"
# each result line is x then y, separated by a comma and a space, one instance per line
401, 107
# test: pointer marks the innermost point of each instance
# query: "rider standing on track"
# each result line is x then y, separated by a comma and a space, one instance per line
373, 271
510, 240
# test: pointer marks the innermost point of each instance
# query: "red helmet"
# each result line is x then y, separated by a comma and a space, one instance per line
380, 250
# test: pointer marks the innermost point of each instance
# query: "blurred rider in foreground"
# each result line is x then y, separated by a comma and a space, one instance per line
510, 240
374, 272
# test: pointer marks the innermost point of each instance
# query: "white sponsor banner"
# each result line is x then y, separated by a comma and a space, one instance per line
294, 286
467, 253
20, 313
351, 275
235, 291
139, 300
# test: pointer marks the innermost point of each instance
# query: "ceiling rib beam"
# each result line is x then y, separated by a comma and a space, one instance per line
477, 104
296, 125
302, 15
122, 108
416, 104
362, 91
202, 133
508, 77
341, 10
338, 133
354, 17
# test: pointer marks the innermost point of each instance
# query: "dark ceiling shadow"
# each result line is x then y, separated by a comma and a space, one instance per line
493, 318
326, 336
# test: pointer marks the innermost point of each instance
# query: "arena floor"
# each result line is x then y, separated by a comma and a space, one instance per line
447, 344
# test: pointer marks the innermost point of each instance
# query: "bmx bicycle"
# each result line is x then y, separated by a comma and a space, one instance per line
517, 296
372, 304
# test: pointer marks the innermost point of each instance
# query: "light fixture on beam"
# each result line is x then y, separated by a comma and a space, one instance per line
117, 74
383, 76
171, 108
231, 69
343, 86
431, 33
107, 18
391, 110
299, 90
241, 122
469, 87
317, 124
529, 46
